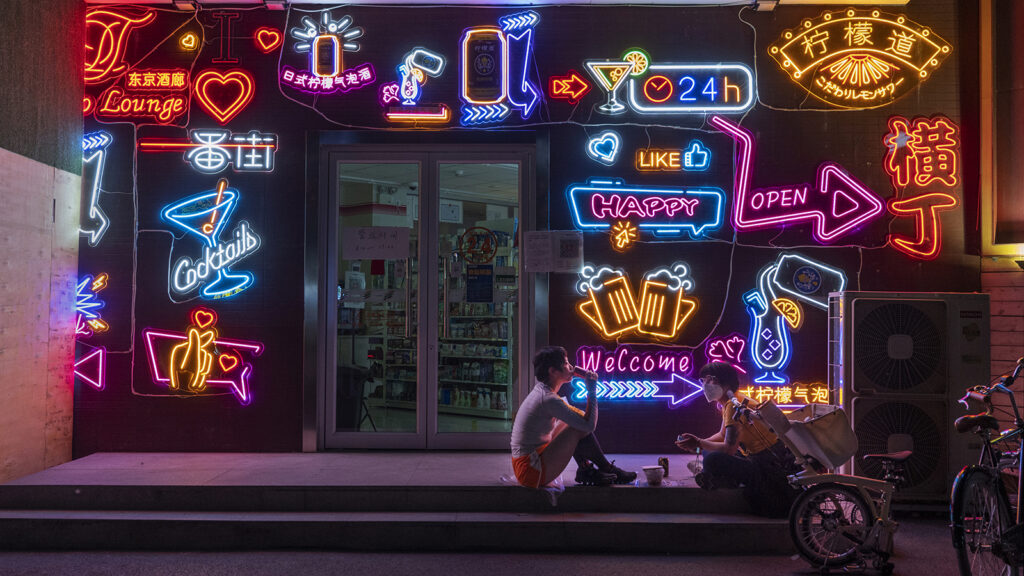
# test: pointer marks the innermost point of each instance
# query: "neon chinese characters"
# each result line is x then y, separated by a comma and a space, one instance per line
859, 58
325, 42
923, 151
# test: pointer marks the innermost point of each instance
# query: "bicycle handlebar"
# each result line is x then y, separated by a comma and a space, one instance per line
983, 393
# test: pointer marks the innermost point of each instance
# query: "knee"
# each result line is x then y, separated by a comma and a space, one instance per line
715, 461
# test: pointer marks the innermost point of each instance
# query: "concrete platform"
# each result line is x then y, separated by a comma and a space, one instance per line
418, 501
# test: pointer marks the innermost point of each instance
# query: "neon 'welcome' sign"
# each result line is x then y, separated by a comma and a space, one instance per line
639, 374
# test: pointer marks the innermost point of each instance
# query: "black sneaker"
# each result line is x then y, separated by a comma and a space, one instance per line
589, 476
621, 476
704, 480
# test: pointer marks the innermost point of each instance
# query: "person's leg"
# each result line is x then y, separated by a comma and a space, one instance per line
556, 456
723, 468
588, 449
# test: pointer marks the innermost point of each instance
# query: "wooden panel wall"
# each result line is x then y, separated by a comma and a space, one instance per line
1004, 281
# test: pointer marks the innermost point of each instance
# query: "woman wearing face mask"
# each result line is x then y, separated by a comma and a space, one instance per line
744, 451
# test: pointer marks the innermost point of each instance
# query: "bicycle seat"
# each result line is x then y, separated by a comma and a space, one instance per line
972, 421
894, 457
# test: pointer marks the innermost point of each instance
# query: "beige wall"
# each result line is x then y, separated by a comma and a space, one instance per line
38, 270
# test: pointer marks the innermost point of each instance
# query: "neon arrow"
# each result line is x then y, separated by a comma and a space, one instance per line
641, 390
838, 205
93, 368
94, 157
571, 87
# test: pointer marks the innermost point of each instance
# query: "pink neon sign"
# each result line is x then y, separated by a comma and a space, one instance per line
837, 205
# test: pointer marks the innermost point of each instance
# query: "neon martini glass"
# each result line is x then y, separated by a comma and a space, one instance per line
205, 215
610, 74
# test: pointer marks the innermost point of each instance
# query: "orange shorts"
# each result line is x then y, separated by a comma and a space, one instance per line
529, 469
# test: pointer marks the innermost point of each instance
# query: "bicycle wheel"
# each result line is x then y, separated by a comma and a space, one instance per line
980, 513
827, 523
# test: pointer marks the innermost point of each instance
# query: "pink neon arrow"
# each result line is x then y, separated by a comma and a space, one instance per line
92, 368
840, 203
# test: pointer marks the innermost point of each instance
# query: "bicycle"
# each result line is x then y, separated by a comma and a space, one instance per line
987, 530
839, 521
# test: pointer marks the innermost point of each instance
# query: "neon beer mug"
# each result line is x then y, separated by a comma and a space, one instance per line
611, 307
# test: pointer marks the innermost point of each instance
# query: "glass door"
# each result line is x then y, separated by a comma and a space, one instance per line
406, 375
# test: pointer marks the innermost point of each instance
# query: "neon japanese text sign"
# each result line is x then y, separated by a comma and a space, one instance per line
927, 243
604, 147
205, 216
789, 396
106, 40
634, 369
199, 359
157, 79
692, 89
838, 204
599, 203
352, 79
859, 58
94, 158
223, 95
924, 151
211, 150
325, 42
612, 309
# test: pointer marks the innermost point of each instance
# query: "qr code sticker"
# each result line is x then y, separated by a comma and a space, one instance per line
568, 247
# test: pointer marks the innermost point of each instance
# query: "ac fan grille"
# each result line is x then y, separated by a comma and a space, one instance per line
880, 422
872, 342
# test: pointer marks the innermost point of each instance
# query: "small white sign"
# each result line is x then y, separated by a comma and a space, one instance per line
375, 243
450, 211
554, 251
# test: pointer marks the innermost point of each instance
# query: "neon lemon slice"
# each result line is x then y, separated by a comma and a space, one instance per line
790, 310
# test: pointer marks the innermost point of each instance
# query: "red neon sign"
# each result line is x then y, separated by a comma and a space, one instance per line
106, 37
571, 87
163, 108
923, 151
268, 39
925, 209
224, 94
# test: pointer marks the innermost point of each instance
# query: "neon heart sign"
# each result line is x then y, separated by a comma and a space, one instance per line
268, 39
224, 94
604, 147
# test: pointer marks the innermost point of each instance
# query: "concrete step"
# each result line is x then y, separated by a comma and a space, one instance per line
497, 498
399, 531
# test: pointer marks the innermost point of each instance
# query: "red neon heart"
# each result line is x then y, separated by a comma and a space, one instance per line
203, 317
228, 361
268, 39
224, 94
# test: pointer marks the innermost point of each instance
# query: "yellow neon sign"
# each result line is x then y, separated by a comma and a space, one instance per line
859, 58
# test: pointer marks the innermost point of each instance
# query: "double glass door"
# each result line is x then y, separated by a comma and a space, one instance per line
426, 274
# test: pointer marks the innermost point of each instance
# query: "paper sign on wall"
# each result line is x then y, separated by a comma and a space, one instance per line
375, 243
554, 251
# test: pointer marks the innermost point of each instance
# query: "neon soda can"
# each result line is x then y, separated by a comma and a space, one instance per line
484, 66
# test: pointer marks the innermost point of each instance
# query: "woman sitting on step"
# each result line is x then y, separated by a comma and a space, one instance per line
548, 431
762, 463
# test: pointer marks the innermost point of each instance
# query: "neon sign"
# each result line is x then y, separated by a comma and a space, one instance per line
570, 88
106, 40
224, 94
838, 204
612, 310
789, 396
362, 75
806, 280
162, 108
210, 150
188, 41
419, 64
791, 311
155, 79
494, 70
728, 350
225, 18
195, 360
623, 234
599, 203
92, 368
692, 89
268, 39
925, 208
87, 305
94, 157
627, 360
325, 42
604, 147
769, 334
205, 215
923, 151
859, 58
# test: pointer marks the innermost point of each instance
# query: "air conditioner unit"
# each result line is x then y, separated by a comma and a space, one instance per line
898, 362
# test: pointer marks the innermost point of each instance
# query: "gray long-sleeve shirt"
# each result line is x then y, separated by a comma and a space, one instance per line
536, 419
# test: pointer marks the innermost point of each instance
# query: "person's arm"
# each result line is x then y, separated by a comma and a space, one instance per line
585, 420
725, 440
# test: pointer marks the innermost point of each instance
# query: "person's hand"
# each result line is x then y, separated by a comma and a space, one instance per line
687, 442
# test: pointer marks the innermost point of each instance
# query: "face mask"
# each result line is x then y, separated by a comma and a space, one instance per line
712, 392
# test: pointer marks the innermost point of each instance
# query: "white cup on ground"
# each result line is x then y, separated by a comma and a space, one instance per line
654, 475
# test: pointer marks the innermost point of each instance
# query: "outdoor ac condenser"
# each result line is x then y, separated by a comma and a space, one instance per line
898, 362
